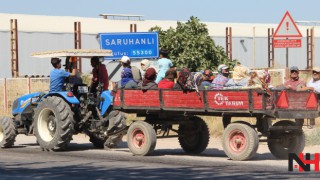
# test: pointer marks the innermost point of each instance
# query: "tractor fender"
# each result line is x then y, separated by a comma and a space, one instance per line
106, 101
68, 99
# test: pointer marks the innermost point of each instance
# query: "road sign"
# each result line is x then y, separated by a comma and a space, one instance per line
287, 28
134, 45
287, 43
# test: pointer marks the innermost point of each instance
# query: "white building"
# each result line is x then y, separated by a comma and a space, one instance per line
43, 33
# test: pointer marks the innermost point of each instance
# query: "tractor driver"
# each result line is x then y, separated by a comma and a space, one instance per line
57, 75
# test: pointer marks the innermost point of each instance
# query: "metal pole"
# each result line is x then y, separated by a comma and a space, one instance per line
312, 46
287, 57
230, 33
29, 85
254, 46
5, 95
77, 42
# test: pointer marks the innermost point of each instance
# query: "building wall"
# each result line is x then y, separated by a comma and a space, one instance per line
250, 51
44, 33
5, 64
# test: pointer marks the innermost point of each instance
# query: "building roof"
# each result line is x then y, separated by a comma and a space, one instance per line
65, 24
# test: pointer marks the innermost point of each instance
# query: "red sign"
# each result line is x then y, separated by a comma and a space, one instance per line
287, 43
287, 28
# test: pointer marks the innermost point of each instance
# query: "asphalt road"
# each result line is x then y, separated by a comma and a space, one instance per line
27, 161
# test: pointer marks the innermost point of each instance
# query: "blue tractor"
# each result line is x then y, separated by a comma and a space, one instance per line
55, 117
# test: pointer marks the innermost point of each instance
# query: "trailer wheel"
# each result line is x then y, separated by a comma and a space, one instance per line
281, 143
194, 137
54, 124
7, 132
141, 138
240, 141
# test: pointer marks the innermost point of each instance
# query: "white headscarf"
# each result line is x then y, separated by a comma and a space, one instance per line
146, 63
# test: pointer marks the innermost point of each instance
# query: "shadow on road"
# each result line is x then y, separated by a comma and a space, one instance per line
90, 171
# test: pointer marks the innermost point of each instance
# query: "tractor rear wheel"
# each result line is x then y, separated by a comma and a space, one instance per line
54, 124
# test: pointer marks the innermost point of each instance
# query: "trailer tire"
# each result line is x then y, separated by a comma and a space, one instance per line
54, 124
286, 144
142, 138
240, 141
194, 137
7, 132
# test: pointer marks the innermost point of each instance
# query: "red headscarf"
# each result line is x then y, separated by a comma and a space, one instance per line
149, 76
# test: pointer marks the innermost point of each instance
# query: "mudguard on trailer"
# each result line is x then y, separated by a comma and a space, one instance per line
22, 104
69, 99
107, 100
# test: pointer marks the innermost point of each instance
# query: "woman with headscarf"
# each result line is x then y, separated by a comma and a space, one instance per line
149, 77
127, 81
168, 81
188, 81
182, 82
258, 80
240, 77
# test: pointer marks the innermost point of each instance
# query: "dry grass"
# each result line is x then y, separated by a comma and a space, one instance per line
313, 137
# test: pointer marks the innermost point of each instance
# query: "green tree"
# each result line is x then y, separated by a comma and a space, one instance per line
191, 46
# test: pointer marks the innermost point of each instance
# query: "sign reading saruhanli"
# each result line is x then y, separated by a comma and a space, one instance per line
134, 45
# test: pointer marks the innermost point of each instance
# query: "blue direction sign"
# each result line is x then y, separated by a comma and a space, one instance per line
134, 45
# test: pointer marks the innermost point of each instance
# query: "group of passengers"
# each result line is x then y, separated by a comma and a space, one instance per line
169, 77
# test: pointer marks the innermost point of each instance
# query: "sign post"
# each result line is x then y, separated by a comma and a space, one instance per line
135, 45
287, 35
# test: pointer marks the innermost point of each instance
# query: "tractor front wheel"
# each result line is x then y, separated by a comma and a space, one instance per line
7, 132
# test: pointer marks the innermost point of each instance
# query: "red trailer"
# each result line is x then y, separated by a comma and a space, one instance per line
164, 108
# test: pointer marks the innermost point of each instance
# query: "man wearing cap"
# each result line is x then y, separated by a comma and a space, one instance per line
164, 65
57, 75
222, 78
125, 61
314, 83
207, 79
294, 83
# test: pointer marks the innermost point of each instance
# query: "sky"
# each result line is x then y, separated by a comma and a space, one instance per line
237, 11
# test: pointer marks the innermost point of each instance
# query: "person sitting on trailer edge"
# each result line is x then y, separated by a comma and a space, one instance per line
149, 76
168, 81
221, 79
258, 81
57, 75
294, 83
208, 78
182, 82
314, 83
240, 77
127, 78
126, 62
